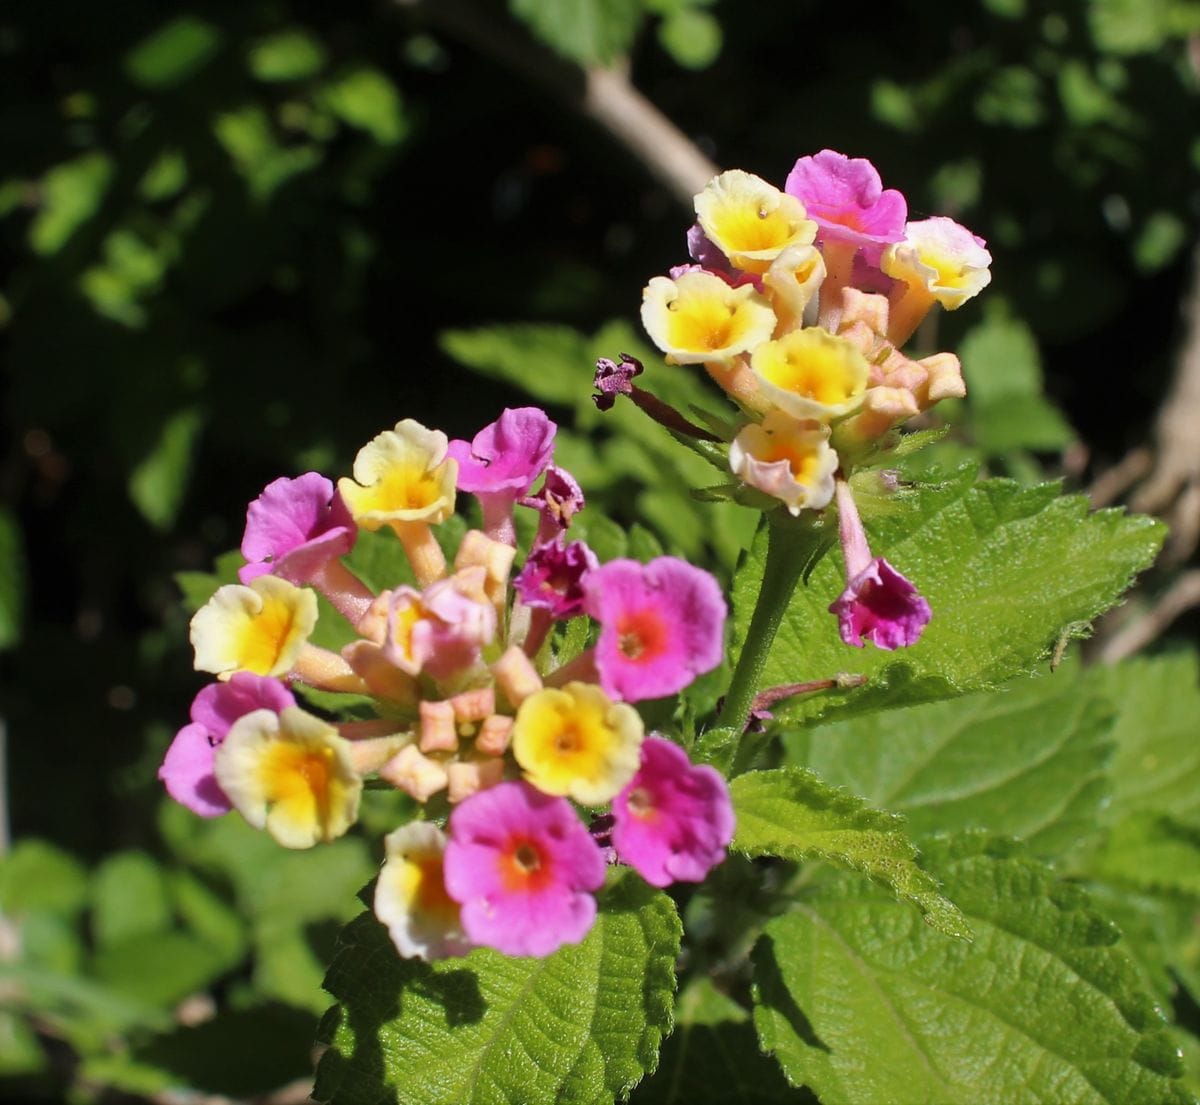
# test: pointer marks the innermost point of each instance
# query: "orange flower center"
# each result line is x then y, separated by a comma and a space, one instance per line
641, 635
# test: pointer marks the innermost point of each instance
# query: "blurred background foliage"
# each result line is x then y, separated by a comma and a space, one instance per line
242, 238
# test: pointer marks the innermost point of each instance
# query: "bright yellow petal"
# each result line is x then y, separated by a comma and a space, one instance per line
698, 317
260, 628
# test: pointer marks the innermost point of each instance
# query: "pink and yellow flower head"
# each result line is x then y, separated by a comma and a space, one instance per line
294, 528
699, 317
848, 202
661, 625
576, 742
674, 820
402, 475
291, 774
524, 869
787, 459
260, 628
187, 768
410, 895
750, 221
811, 374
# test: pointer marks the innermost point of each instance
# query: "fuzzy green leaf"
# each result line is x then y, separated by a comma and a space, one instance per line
1027, 761
1006, 570
791, 813
862, 1003
581, 1026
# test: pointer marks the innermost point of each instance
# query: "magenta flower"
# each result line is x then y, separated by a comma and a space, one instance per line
846, 199
294, 527
552, 578
500, 464
187, 769
661, 625
524, 868
878, 605
558, 500
674, 820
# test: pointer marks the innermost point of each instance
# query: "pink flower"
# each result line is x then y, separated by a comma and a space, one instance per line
674, 819
294, 528
558, 500
878, 605
661, 625
553, 576
501, 463
524, 868
846, 199
187, 769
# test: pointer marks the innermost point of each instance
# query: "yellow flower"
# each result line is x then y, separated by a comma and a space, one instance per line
751, 221
787, 459
291, 774
698, 317
403, 475
410, 894
577, 742
811, 374
260, 628
792, 280
941, 259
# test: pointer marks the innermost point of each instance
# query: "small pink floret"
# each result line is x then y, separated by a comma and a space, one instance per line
506, 457
524, 869
553, 576
881, 606
294, 528
187, 768
661, 625
674, 820
848, 202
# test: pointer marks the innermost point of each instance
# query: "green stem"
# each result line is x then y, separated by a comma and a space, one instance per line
789, 546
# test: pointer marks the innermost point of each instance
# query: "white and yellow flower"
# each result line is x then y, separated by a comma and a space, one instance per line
811, 374
698, 317
410, 895
402, 475
750, 221
260, 628
291, 774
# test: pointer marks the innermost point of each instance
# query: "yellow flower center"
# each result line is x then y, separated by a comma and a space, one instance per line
265, 635
813, 365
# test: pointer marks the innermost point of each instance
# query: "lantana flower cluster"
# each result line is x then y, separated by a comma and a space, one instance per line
533, 770
798, 303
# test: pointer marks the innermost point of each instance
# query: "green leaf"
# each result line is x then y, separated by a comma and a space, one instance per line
37, 877
172, 53
12, 579
1027, 761
586, 31
159, 969
366, 99
198, 587
290, 55
581, 1026
1151, 852
1004, 568
71, 194
791, 813
1004, 389
862, 1003
693, 38
130, 899
158, 483
712, 1057
1156, 766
